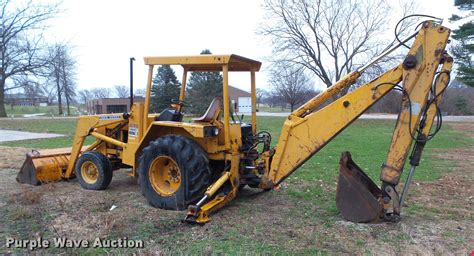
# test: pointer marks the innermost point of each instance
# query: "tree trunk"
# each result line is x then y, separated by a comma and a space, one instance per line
60, 107
292, 106
3, 112
67, 104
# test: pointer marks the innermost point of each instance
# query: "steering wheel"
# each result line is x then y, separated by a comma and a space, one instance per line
180, 103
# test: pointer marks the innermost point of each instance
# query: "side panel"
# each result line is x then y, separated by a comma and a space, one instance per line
210, 144
135, 134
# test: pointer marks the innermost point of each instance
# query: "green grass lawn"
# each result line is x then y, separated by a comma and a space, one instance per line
367, 140
267, 108
48, 110
60, 126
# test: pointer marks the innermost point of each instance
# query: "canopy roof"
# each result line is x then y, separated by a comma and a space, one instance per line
207, 62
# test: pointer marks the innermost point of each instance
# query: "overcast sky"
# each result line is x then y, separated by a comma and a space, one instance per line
106, 33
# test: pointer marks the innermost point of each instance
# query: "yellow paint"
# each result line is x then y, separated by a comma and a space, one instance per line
218, 184
253, 92
428, 48
89, 172
441, 86
147, 99
301, 138
108, 139
207, 62
315, 102
165, 175
226, 99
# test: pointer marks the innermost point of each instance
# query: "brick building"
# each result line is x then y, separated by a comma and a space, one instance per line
241, 98
21, 99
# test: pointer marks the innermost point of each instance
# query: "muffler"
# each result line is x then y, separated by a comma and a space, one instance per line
358, 198
41, 168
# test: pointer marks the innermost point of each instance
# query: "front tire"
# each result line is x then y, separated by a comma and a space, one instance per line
93, 171
173, 172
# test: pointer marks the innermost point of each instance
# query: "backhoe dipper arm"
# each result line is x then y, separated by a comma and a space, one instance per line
424, 57
306, 131
422, 118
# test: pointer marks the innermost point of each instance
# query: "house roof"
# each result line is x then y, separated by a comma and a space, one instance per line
234, 90
207, 62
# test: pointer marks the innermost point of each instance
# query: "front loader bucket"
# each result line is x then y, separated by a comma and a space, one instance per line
358, 198
43, 167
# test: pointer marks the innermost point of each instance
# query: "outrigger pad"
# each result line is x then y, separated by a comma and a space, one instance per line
358, 198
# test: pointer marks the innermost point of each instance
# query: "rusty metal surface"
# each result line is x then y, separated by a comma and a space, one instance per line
357, 196
27, 174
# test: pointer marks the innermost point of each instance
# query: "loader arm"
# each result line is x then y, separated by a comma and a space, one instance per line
307, 130
54, 165
85, 127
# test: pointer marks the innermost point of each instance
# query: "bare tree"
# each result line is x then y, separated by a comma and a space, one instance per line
61, 70
100, 93
122, 91
292, 85
84, 95
31, 87
21, 27
260, 94
328, 37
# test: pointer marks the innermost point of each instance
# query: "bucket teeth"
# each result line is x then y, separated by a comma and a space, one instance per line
358, 198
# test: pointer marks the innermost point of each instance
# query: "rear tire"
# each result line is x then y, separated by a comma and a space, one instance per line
93, 171
173, 172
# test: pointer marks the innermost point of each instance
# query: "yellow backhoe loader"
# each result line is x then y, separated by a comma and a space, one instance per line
200, 165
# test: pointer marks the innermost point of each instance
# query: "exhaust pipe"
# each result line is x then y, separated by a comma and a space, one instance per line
131, 81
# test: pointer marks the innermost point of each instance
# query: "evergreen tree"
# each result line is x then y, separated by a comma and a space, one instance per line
464, 50
203, 87
165, 87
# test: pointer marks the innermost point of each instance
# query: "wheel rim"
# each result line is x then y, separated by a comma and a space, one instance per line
165, 175
89, 172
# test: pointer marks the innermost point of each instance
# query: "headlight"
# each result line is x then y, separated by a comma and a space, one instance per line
216, 131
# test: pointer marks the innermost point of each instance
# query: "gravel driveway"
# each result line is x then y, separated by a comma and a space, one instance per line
9, 135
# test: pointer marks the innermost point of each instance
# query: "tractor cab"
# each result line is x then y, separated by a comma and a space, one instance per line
218, 120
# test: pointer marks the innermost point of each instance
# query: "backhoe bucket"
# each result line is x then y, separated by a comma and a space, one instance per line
44, 167
358, 198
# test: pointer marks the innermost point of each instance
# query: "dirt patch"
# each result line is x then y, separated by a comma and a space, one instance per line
466, 128
12, 158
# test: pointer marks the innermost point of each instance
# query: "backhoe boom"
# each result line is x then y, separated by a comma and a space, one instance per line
307, 129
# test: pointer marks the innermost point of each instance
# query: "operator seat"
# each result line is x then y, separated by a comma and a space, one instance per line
170, 114
212, 112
